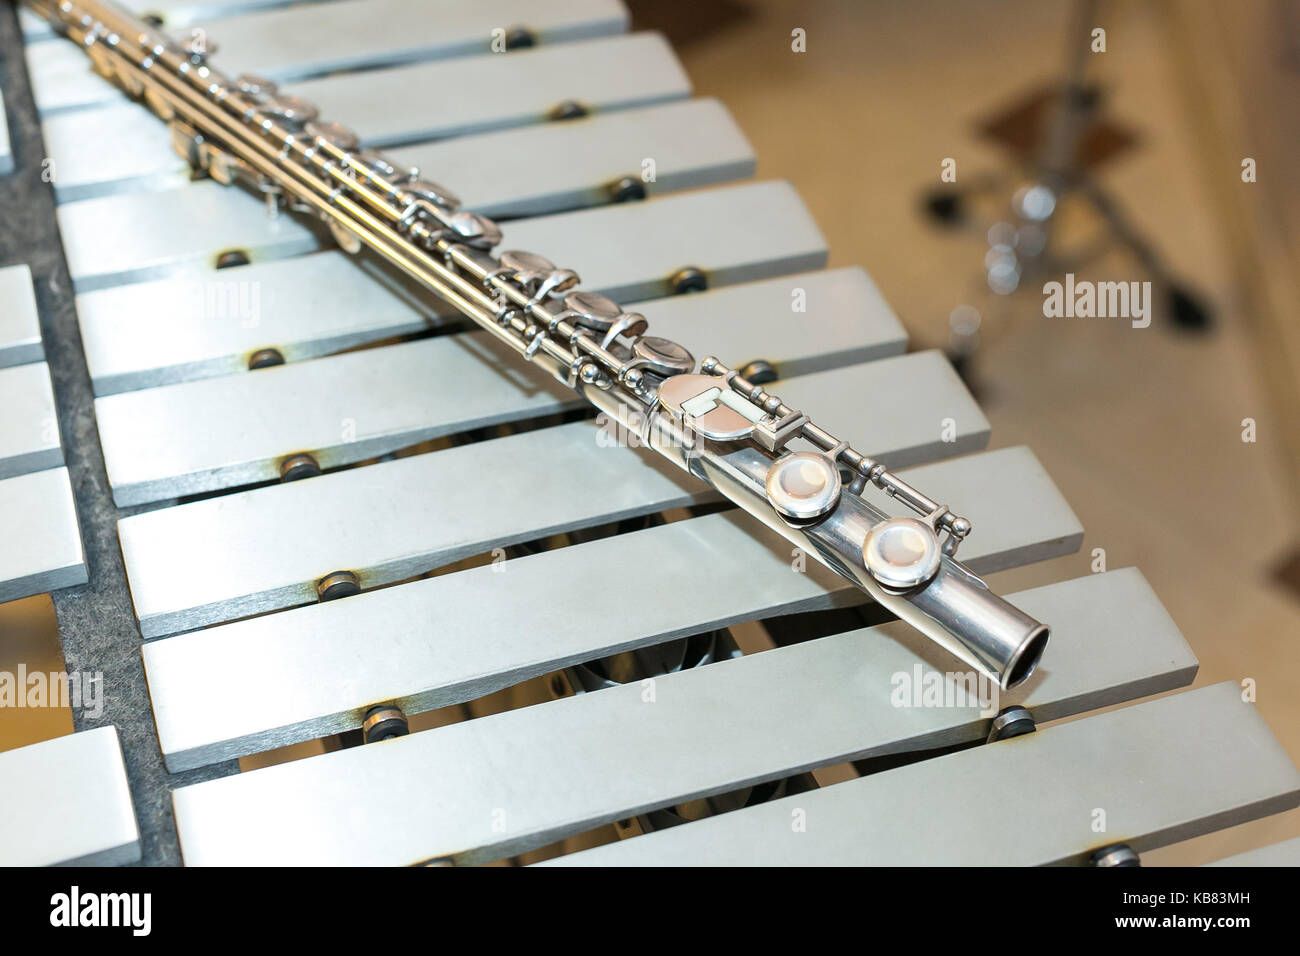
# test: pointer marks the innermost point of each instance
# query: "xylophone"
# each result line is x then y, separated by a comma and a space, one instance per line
317, 504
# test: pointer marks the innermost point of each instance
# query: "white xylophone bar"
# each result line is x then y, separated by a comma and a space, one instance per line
294, 43
42, 542
173, 13
529, 170
159, 242
139, 153
172, 330
270, 681
1163, 771
222, 433
179, 329
384, 522
262, 550
29, 430
558, 768
66, 803
1285, 853
428, 100
738, 233
20, 330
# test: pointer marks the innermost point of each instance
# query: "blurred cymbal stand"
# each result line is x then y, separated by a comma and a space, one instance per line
1019, 246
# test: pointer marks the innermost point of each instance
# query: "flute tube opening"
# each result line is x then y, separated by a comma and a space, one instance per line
1026, 658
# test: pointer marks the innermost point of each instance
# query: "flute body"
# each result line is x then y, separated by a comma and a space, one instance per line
772, 460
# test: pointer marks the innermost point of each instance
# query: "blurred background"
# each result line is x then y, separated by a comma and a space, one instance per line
1142, 429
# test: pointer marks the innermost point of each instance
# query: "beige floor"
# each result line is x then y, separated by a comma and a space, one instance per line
1140, 430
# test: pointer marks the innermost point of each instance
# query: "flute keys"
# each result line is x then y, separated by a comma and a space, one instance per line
901, 553
219, 164
159, 104
592, 310
526, 268
526, 265
539, 276
440, 196
198, 47
380, 166
101, 61
293, 111
186, 143
256, 86
631, 324
369, 164
347, 240
334, 133
473, 230
662, 357
803, 486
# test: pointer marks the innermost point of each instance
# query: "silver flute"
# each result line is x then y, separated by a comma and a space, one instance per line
768, 458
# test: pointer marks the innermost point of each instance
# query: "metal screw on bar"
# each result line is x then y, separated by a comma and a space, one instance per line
758, 372
265, 358
337, 585
689, 279
297, 467
569, 109
627, 189
231, 258
1014, 721
1116, 855
517, 38
383, 723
